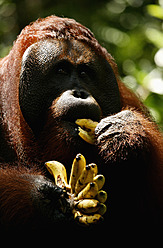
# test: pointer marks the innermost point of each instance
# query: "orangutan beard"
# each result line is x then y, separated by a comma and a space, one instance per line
59, 140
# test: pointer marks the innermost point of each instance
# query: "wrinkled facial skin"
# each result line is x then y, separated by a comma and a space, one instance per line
68, 77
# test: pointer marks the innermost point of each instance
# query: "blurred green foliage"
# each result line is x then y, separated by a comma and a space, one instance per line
131, 30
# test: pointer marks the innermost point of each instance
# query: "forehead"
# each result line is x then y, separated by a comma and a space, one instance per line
49, 50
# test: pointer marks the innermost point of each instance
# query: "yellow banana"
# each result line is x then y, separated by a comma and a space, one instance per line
88, 206
94, 167
58, 171
100, 180
90, 191
101, 196
87, 219
87, 124
85, 178
102, 209
86, 136
84, 183
87, 130
79, 163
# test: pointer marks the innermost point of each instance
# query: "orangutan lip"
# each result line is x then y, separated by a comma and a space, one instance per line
72, 127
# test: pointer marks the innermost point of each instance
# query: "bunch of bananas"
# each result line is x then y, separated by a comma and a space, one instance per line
87, 130
84, 189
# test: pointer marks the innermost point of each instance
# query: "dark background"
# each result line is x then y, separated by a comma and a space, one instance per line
131, 30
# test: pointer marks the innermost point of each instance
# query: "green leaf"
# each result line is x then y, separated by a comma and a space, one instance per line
155, 36
155, 11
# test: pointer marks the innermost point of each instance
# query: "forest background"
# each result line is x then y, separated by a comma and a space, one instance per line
131, 30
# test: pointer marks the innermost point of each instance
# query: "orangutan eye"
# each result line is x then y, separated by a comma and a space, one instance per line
61, 71
63, 67
83, 73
